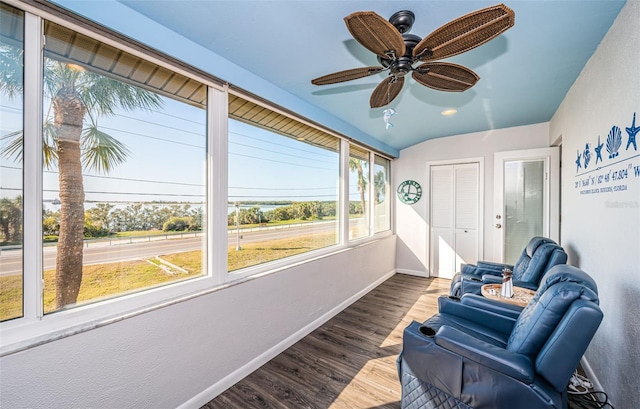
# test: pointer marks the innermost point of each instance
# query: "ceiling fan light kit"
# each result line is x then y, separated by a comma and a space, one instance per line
398, 52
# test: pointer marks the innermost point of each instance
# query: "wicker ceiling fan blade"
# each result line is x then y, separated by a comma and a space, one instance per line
386, 91
445, 76
465, 33
376, 34
347, 75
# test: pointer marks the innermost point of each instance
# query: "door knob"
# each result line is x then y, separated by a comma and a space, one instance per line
498, 226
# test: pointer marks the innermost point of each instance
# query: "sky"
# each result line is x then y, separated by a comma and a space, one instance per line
167, 160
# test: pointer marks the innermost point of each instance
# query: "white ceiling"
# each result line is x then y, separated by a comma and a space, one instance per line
524, 73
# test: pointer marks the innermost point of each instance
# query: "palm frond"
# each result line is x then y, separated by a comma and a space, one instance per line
49, 144
14, 149
106, 95
100, 151
11, 70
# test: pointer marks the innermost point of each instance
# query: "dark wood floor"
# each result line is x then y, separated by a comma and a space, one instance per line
350, 361
347, 363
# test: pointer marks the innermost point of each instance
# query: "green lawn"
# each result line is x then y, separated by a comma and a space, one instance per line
108, 280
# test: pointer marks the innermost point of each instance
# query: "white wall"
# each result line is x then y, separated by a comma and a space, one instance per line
189, 352
411, 220
601, 231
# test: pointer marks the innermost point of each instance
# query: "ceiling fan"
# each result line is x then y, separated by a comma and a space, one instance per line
398, 51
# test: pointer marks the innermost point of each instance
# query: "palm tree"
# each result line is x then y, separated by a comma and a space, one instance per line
379, 182
356, 165
72, 140
11, 219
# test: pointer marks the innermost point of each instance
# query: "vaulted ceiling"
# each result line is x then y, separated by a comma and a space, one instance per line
524, 73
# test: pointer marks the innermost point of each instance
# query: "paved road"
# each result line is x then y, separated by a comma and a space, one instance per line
102, 252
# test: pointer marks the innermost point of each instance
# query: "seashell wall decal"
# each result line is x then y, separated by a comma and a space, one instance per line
614, 141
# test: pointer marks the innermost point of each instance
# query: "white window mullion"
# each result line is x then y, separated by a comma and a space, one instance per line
344, 192
217, 159
32, 165
371, 194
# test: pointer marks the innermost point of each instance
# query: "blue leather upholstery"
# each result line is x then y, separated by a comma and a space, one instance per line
538, 257
480, 358
558, 273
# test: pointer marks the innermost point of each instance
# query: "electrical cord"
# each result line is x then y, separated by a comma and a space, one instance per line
582, 395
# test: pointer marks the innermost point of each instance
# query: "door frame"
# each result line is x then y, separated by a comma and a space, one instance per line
551, 155
481, 196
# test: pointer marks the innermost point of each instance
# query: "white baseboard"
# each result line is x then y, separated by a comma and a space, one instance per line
240, 373
418, 273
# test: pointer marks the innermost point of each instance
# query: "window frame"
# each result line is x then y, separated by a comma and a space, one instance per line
282, 263
36, 328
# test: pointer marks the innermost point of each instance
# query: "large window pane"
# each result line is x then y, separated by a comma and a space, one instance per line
283, 192
381, 210
11, 169
358, 192
124, 177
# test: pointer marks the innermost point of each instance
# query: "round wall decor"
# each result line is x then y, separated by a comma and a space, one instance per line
409, 192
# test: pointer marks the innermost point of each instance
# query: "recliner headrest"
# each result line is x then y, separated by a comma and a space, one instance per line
536, 242
566, 273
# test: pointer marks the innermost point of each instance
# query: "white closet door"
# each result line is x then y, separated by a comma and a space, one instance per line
454, 203
442, 221
466, 213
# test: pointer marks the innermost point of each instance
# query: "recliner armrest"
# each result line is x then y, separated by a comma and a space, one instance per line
481, 271
489, 265
526, 284
511, 311
491, 319
491, 279
512, 364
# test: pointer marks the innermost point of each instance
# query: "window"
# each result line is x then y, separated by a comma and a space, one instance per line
381, 199
11, 169
124, 186
119, 187
358, 192
283, 186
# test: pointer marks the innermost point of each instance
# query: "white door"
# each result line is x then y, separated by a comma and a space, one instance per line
454, 202
526, 200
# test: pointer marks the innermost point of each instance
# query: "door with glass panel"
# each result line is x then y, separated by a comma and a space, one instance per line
526, 199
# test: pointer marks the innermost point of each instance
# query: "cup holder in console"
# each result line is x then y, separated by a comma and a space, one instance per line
428, 331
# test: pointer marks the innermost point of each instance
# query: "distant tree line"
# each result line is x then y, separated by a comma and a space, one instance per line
104, 219
313, 210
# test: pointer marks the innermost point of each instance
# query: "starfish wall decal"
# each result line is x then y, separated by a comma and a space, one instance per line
598, 150
632, 131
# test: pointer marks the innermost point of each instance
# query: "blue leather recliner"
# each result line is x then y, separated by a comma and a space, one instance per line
468, 356
537, 258
560, 273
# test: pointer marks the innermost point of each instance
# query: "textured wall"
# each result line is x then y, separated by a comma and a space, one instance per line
601, 231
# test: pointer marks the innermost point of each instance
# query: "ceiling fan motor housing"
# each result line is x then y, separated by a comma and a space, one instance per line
403, 20
403, 65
